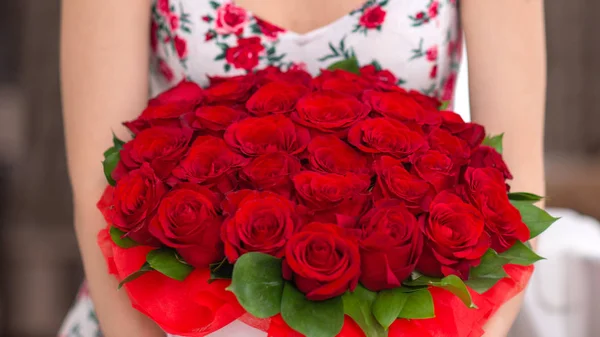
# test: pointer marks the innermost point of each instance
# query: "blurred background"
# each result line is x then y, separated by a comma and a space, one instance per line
38, 284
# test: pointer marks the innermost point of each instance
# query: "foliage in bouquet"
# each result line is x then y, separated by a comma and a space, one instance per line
318, 198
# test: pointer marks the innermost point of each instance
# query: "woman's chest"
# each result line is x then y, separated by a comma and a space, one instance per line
418, 40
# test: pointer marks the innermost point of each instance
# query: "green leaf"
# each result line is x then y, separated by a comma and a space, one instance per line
451, 283
418, 305
524, 196
111, 159
444, 106
221, 271
143, 270
388, 305
167, 263
119, 238
220, 57
377, 65
488, 272
214, 4
349, 65
520, 254
358, 305
257, 283
311, 318
227, 67
495, 142
536, 219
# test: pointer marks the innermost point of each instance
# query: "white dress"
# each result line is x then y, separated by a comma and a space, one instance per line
419, 41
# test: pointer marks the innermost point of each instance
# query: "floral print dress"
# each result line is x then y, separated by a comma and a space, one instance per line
419, 41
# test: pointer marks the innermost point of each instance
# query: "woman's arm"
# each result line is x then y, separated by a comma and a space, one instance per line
104, 68
507, 83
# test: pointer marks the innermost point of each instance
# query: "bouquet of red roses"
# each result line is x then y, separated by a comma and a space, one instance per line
340, 205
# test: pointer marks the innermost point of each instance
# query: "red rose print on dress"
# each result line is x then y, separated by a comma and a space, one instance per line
448, 90
427, 14
163, 7
245, 54
434, 8
268, 29
372, 17
231, 19
180, 47
165, 70
432, 54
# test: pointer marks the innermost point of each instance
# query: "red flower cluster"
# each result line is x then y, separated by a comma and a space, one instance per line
346, 177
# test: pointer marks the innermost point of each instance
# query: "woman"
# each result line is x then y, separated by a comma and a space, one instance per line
105, 79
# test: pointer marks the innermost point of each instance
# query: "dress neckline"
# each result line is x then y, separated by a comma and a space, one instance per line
313, 32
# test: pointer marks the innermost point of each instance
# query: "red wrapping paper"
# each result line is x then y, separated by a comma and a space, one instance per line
196, 308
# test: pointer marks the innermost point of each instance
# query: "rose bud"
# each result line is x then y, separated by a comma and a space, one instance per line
259, 135
188, 220
161, 147
455, 239
167, 108
391, 242
331, 195
257, 222
503, 221
329, 154
329, 111
386, 136
211, 163
134, 201
485, 156
275, 98
272, 172
395, 182
471, 133
322, 261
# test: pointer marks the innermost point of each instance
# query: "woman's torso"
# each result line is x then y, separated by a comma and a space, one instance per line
418, 40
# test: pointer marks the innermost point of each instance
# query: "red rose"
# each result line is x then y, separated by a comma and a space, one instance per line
390, 245
272, 172
245, 54
214, 118
329, 154
437, 169
455, 237
231, 19
471, 133
161, 147
330, 195
209, 36
448, 91
322, 261
134, 202
386, 136
258, 222
259, 135
274, 98
342, 81
293, 75
454, 147
211, 163
174, 22
393, 181
180, 46
503, 221
383, 79
372, 17
485, 156
231, 89
429, 103
399, 105
433, 72
329, 111
188, 220
154, 36
167, 108
267, 29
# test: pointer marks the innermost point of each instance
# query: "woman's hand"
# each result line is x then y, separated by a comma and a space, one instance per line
507, 83
104, 68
